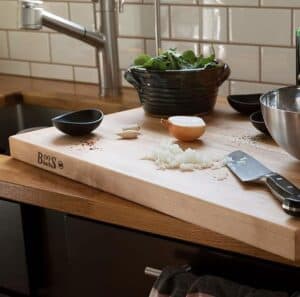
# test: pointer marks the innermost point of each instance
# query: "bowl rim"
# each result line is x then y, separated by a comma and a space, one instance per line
255, 113
221, 64
57, 119
263, 96
232, 99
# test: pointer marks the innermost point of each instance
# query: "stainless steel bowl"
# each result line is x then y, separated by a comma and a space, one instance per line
281, 112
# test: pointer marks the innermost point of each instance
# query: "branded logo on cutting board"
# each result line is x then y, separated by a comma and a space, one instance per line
49, 161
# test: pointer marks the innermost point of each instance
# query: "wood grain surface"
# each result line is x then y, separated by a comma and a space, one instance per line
27, 184
63, 95
245, 212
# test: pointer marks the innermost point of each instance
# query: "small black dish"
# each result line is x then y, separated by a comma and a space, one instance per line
78, 123
258, 122
245, 104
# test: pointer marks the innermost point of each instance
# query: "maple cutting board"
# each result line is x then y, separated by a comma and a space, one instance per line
247, 212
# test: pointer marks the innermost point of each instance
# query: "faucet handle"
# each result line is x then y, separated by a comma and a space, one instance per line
121, 4
31, 14
31, 3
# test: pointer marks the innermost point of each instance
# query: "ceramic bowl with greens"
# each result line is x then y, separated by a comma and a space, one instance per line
176, 83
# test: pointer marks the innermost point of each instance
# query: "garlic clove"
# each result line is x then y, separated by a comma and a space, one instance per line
134, 127
129, 134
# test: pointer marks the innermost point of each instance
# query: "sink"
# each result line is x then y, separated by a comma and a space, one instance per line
17, 117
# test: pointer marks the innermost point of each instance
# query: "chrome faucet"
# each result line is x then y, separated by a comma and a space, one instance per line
298, 56
33, 17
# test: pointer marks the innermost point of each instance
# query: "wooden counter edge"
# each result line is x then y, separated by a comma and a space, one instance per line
100, 206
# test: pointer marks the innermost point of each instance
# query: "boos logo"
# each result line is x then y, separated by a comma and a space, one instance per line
49, 161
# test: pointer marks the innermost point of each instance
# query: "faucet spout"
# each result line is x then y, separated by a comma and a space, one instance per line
72, 29
34, 17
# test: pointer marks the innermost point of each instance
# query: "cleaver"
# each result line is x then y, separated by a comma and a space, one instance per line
247, 169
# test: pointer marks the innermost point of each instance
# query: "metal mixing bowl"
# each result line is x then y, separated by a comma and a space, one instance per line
281, 112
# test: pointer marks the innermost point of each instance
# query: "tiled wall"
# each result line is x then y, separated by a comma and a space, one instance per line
256, 37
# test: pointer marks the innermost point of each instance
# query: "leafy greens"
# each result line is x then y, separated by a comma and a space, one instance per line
173, 60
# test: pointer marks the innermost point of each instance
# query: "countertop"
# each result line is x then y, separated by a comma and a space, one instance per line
62, 95
23, 183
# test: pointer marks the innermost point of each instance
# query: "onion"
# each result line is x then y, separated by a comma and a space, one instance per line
171, 156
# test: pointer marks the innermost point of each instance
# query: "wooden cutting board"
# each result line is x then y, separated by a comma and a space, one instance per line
247, 212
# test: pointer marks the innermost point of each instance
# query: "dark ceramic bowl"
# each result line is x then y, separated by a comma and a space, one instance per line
178, 92
245, 104
258, 122
78, 123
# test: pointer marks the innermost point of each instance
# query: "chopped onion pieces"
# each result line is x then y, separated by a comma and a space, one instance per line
172, 156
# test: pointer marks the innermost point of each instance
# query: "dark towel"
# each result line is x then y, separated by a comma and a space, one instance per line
180, 282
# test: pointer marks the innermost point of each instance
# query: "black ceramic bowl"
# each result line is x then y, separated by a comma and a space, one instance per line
245, 104
78, 123
178, 92
258, 122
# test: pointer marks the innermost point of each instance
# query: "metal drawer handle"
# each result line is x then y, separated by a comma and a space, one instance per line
152, 272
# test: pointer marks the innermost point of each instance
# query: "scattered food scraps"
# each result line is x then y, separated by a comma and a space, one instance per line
87, 143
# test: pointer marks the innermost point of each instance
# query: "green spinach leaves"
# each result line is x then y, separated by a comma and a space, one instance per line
173, 60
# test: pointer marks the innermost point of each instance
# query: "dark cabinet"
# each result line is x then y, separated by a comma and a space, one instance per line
13, 264
109, 261
74, 257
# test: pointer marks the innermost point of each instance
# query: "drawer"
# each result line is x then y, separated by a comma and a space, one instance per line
106, 260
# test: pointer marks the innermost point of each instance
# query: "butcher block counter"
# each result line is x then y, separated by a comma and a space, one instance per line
24, 183
62, 95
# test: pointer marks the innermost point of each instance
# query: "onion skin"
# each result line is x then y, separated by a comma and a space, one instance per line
184, 133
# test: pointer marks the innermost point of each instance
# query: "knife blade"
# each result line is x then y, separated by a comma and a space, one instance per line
248, 169
245, 167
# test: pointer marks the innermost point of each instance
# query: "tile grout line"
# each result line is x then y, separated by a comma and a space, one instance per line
8, 44
228, 24
292, 27
169, 21
260, 63
50, 48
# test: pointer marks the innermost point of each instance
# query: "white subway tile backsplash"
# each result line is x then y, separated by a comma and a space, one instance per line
231, 2
281, 3
67, 50
260, 26
86, 75
3, 45
8, 14
31, 46
176, 1
243, 60
82, 13
52, 71
14, 67
150, 47
240, 87
213, 24
202, 23
128, 50
185, 22
138, 20
255, 37
278, 65
181, 46
58, 8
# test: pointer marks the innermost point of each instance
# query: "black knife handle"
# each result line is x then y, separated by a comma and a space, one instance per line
291, 205
281, 187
